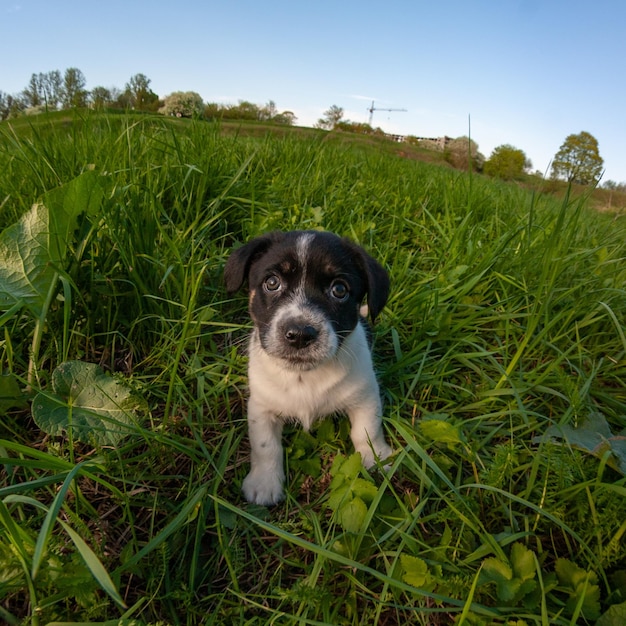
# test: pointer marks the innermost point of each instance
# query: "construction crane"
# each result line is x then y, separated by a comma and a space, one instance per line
373, 108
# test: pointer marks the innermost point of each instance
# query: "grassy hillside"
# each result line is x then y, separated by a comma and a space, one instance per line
501, 356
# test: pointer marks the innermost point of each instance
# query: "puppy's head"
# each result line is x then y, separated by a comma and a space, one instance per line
306, 289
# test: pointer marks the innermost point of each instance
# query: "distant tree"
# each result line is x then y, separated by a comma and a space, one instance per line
247, 110
33, 93
100, 97
332, 117
138, 95
286, 118
507, 162
361, 128
182, 104
52, 85
44, 89
612, 185
462, 151
244, 110
5, 105
74, 92
578, 160
268, 112
11, 106
212, 111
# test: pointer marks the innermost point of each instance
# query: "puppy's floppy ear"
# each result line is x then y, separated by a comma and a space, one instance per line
377, 283
239, 262
377, 286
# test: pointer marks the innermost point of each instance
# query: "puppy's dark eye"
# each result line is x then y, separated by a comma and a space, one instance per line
339, 290
272, 283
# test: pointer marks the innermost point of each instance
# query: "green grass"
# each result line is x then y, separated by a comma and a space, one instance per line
506, 322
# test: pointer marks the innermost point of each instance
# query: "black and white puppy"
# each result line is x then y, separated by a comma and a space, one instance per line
309, 354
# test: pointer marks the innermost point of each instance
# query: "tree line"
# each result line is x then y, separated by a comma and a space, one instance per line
578, 159
52, 91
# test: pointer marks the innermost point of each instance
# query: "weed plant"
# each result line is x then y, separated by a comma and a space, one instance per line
501, 356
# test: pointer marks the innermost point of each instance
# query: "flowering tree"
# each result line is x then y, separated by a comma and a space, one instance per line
182, 104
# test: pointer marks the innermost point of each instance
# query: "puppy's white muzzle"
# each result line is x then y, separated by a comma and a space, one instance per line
300, 335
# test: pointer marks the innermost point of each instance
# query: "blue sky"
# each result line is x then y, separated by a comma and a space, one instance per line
524, 72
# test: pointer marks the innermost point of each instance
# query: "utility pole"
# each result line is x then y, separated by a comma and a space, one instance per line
373, 108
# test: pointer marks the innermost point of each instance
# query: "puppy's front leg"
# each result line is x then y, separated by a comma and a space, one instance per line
367, 432
264, 484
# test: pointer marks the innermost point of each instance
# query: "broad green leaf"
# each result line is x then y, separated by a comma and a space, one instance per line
26, 266
436, 428
32, 250
81, 195
579, 583
523, 561
513, 581
11, 396
364, 489
337, 463
613, 616
594, 436
618, 448
348, 467
87, 402
495, 570
352, 515
338, 495
415, 572
591, 600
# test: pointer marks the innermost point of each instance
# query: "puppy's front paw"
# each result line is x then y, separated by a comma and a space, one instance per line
263, 488
381, 452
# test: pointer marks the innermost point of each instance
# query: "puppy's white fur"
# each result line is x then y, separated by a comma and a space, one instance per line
345, 382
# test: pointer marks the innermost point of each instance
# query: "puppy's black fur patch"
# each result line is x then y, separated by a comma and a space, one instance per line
334, 256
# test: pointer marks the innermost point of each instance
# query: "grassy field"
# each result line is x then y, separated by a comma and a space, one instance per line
501, 356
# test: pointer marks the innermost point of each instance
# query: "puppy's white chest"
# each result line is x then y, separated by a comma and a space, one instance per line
310, 394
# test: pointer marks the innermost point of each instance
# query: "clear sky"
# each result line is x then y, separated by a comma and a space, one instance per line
523, 72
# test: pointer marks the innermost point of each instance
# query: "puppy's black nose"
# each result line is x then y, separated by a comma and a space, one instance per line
300, 335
